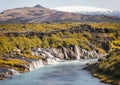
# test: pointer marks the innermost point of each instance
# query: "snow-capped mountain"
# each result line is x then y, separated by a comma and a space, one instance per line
38, 14
89, 10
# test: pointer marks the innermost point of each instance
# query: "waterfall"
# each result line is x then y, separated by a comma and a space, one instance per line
14, 72
44, 54
52, 55
77, 52
35, 64
57, 59
48, 54
51, 61
65, 53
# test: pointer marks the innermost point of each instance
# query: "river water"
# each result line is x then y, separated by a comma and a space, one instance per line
67, 73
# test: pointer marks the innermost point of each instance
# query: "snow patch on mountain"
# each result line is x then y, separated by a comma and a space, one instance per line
80, 9
89, 10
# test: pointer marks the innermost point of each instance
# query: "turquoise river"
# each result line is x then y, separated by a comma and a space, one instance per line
66, 73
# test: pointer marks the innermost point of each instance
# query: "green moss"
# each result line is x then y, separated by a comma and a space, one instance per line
105, 25
29, 56
1, 78
7, 44
12, 62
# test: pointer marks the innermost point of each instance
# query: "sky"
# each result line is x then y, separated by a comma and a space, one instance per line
9, 4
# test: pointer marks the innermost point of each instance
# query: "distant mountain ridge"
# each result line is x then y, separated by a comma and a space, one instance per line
38, 14
89, 10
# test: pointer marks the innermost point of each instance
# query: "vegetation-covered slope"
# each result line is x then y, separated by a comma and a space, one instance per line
108, 70
102, 37
26, 36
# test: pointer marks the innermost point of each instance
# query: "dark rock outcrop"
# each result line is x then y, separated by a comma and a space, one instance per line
82, 28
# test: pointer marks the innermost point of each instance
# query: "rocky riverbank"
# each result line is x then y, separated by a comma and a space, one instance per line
91, 67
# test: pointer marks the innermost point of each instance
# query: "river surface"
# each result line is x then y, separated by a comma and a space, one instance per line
68, 73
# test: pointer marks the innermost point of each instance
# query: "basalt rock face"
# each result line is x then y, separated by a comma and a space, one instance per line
72, 52
7, 72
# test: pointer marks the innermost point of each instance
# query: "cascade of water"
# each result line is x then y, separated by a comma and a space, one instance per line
65, 53
57, 59
48, 54
35, 64
51, 61
77, 52
14, 72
